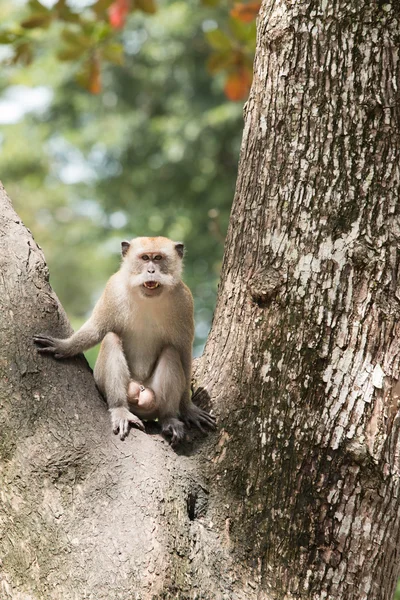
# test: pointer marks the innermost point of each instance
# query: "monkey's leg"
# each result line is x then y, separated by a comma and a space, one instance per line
112, 377
168, 383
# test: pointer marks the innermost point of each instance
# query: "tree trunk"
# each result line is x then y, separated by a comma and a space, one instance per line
303, 358
296, 496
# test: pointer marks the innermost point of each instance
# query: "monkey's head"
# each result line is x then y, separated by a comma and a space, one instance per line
153, 264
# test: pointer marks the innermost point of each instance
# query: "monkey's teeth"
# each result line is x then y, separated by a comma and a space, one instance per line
151, 285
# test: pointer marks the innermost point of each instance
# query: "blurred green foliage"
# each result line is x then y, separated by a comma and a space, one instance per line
155, 153
87, 36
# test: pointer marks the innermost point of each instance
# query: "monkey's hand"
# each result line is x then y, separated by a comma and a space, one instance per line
194, 415
49, 345
122, 419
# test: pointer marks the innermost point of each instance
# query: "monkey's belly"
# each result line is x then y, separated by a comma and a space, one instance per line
141, 362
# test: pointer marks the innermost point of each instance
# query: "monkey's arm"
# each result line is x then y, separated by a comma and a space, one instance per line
87, 336
90, 334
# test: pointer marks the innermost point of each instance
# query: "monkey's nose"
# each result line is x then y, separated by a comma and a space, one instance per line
151, 270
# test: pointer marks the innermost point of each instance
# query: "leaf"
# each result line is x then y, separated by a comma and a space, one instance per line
147, 6
37, 6
89, 76
212, 3
23, 54
70, 53
101, 7
95, 78
244, 32
37, 20
114, 53
238, 84
7, 37
64, 13
245, 12
218, 40
78, 39
219, 61
118, 12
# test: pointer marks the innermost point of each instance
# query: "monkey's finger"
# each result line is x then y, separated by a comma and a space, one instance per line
46, 350
43, 340
201, 420
199, 426
208, 421
189, 421
174, 440
125, 427
135, 422
171, 432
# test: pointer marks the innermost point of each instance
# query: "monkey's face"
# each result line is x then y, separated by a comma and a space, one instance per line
154, 264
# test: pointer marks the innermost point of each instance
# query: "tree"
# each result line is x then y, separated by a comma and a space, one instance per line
87, 36
296, 496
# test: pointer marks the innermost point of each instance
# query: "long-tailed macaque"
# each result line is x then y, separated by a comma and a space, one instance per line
145, 319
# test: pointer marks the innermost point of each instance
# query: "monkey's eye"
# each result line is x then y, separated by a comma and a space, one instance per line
145, 257
158, 257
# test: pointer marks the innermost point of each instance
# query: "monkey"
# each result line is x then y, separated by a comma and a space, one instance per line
144, 320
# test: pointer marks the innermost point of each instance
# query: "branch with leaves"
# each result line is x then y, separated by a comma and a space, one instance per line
91, 37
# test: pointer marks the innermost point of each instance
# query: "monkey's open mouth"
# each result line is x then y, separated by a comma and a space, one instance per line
151, 285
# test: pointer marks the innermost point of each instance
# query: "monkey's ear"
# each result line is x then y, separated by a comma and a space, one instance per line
124, 247
180, 248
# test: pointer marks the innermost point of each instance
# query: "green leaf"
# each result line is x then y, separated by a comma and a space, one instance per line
147, 6
101, 7
37, 7
244, 32
96, 31
23, 54
83, 75
114, 53
89, 76
76, 38
37, 20
70, 53
64, 13
7, 37
219, 61
218, 40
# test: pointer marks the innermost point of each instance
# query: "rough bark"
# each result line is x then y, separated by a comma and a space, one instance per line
302, 363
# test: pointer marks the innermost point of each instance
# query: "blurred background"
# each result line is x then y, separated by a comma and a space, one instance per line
151, 148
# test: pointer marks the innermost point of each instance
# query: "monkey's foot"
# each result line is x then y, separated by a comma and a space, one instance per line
194, 415
48, 345
173, 429
122, 419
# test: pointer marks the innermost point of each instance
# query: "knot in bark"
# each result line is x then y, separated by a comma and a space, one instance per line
264, 285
